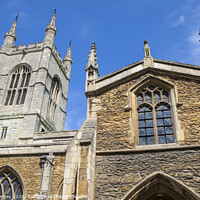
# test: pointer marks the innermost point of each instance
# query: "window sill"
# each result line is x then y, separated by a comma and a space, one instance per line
150, 148
157, 146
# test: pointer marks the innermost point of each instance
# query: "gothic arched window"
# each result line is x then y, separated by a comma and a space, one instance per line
18, 86
53, 97
154, 116
10, 186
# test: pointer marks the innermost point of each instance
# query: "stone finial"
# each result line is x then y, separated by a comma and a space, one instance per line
92, 61
52, 24
148, 60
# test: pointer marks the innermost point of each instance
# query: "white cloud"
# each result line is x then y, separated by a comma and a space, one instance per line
194, 48
179, 22
188, 15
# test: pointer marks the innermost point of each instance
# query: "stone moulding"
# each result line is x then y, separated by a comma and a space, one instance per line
165, 184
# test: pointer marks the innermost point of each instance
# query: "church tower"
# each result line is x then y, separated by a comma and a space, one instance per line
34, 86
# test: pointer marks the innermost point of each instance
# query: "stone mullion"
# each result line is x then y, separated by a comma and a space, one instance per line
8, 185
18, 88
154, 119
17, 188
8, 96
12, 89
13, 192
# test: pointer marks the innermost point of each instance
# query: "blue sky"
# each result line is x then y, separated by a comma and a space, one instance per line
118, 28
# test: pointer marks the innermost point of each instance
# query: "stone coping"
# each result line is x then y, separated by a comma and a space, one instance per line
150, 149
140, 62
129, 72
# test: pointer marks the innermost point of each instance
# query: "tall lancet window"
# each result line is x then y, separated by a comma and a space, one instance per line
18, 85
11, 187
53, 98
154, 116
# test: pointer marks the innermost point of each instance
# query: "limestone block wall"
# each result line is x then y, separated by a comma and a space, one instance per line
14, 127
55, 70
44, 65
113, 119
118, 173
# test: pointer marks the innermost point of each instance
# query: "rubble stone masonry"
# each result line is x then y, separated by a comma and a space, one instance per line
117, 173
113, 119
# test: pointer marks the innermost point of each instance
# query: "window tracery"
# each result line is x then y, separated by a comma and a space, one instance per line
18, 85
154, 116
10, 186
53, 97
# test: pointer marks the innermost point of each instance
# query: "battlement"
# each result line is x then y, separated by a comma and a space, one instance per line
35, 47
31, 46
57, 55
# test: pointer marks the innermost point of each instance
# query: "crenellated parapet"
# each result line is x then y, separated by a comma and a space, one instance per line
57, 55
32, 47
23, 48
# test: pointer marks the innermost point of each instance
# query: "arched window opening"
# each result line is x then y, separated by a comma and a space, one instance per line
154, 116
53, 98
18, 86
160, 186
10, 186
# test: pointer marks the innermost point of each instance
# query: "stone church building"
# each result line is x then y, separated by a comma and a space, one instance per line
140, 140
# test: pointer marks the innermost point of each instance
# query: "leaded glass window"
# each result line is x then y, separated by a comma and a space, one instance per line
10, 186
154, 116
53, 98
19, 82
145, 123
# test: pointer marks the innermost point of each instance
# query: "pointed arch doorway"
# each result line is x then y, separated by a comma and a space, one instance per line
160, 186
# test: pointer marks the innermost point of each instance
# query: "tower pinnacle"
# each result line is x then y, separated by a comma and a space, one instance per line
50, 31
92, 61
10, 37
69, 53
67, 61
52, 24
92, 70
